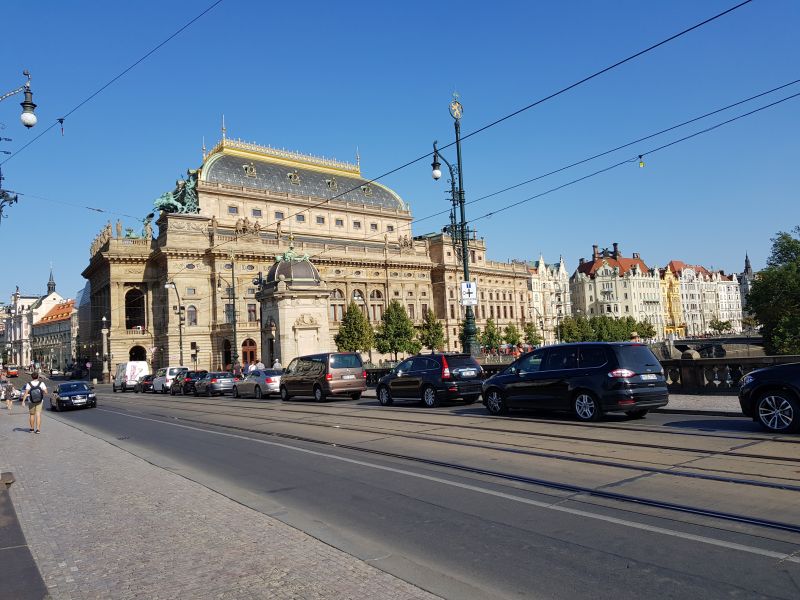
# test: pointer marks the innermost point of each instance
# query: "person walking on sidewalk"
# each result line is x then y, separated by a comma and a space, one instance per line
34, 393
6, 391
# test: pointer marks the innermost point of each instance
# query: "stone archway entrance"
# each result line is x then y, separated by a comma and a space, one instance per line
137, 353
249, 349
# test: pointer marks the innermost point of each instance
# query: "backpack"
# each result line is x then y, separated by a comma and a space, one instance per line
35, 394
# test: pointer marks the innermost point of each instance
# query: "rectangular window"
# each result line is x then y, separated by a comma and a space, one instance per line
251, 291
452, 311
491, 312
233, 210
411, 311
256, 212
320, 220
505, 312
424, 309
340, 222
229, 292
472, 255
356, 224
511, 311
279, 215
483, 312
191, 291
251, 313
390, 228
410, 294
373, 227
300, 218
229, 313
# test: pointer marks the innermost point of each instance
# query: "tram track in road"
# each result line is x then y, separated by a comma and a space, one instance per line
678, 470
307, 412
575, 491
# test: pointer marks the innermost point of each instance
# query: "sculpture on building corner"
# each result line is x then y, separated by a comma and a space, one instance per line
183, 199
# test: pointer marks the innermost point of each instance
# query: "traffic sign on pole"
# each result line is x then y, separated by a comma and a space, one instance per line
469, 293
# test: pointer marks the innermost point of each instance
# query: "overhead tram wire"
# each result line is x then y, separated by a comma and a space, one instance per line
60, 120
604, 153
525, 108
633, 159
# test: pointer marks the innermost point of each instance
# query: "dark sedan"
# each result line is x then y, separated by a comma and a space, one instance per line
184, 383
75, 394
771, 396
215, 384
145, 384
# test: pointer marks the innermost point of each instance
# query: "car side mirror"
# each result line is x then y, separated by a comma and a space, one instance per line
399, 372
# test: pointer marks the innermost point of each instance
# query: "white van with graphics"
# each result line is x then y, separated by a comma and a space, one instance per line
128, 374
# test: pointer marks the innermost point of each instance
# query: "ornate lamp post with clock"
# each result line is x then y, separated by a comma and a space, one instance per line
460, 230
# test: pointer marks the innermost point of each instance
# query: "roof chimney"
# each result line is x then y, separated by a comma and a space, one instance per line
635, 254
616, 250
581, 261
595, 252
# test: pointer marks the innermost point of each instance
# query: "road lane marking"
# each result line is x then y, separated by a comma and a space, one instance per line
780, 556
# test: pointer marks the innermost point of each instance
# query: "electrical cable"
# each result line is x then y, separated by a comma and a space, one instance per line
60, 121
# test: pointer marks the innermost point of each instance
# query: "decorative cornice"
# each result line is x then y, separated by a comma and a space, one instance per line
281, 154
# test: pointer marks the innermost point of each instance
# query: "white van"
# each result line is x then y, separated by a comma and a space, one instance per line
163, 381
128, 374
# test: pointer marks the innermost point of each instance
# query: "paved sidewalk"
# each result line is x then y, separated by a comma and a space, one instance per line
724, 406
102, 523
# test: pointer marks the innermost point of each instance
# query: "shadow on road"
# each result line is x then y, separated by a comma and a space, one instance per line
724, 424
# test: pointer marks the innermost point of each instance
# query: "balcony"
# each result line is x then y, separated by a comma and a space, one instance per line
137, 331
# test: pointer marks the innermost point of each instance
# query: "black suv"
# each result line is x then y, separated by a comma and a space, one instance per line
432, 378
771, 396
184, 383
588, 379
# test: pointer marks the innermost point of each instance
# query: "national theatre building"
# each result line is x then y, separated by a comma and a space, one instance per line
256, 256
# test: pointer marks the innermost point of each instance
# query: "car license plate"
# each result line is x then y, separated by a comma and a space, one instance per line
348, 376
469, 373
649, 376
78, 400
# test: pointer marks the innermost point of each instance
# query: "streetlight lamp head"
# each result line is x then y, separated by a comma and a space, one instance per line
168, 285
27, 117
436, 165
437, 174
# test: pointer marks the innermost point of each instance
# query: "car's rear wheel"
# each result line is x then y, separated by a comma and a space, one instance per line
285, 394
257, 393
319, 395
778, 411
429, 398
496, 402
586, 407
638, 413
471, 399
235, 392
385, 396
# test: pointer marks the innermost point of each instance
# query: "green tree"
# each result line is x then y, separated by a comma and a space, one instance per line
531, 334
491, 338
396, 333
718, 326
750, 324
511, 334
355, 333
645, 330
775, 297
431, 334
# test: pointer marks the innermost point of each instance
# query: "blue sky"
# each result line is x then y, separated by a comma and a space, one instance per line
325, 78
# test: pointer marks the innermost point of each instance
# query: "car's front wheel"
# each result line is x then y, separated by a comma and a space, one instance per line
778, 412
496, 402
284, 394
385, 396
429, 398
586, 407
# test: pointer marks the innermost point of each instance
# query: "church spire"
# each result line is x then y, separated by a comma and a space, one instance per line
748, 270
51, 284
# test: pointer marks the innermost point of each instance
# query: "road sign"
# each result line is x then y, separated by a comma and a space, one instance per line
469, 293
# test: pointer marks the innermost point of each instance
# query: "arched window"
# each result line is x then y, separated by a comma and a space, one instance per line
191, 315
358, 298
336, 308
376, 305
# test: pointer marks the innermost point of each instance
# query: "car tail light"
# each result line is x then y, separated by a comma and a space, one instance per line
621, 373
214, 380
363, 374
328, 376
268, 380
445, 368
626, 402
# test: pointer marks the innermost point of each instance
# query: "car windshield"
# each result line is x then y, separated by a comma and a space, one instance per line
345, 361
72, 387
460, 361
637, 357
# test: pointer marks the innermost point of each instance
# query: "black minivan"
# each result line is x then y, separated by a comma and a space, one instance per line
586, 378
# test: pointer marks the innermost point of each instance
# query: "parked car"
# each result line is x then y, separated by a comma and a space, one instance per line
216, 383
589, 379
323, 375
771, 396
259, 383
54, 372
164, 378
432, 378
74, 394
128, 375
145, 384
184, 383
12, 371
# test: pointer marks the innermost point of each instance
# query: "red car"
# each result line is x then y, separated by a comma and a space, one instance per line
12, 371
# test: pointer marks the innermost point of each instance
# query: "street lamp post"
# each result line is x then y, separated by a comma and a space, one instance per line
104, 333
180, 311
456, 111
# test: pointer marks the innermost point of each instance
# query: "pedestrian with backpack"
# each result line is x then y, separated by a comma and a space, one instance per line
34, 393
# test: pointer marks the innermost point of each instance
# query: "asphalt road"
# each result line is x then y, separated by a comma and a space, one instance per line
469, 535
